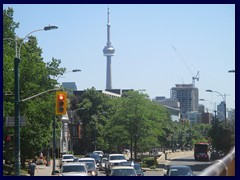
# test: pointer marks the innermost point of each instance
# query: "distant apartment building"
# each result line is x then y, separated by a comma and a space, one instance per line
187, 95
207, 118
168, 101
221, 111
194, 117
69, 87
231, 114
201, 108
171, 105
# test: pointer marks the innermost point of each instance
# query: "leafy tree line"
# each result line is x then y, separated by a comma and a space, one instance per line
133, 122
35, 76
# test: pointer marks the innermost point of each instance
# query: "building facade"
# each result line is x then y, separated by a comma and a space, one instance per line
188, 97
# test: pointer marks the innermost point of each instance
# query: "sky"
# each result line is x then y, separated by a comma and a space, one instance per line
156, 45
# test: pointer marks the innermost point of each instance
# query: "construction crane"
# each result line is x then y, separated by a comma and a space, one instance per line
193, 77
196, 77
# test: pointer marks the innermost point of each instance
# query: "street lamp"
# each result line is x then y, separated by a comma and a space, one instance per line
74, 70
231, 71
17, 95
224, 100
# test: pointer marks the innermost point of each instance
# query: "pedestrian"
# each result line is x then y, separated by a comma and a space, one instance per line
31, 168
41, 155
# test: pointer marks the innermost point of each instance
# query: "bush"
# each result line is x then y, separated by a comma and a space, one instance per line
148, 162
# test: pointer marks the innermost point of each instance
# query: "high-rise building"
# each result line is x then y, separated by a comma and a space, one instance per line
108, 51
187, 95
221, 111
69, 87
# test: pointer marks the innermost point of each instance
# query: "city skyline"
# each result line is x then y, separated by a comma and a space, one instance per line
158, 45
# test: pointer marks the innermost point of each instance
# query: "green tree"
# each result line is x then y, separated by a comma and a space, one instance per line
93, 105
35, 76
140, 121
224, 131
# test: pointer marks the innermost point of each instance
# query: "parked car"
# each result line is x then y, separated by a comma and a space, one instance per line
179, 170
73, 169
137, 167
66, 158
123, 171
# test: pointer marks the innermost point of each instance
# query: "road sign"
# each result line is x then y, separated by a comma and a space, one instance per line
10, 121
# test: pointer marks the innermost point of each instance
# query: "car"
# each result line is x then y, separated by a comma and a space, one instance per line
123, 171
102, 163
179, 170
137, 167
91, 168
66, 158
113, 160
73, 169
94, 156
83, 160
100, 153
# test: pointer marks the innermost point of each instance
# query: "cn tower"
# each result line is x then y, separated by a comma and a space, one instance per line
108, 51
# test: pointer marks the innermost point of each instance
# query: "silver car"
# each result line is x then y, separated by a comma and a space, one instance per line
74, 169
123, 171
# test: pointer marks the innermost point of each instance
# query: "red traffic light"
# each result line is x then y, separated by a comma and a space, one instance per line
60, 96
61, 103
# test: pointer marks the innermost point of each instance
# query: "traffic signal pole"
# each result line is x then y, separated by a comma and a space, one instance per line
60, 109
54, 144
17, 118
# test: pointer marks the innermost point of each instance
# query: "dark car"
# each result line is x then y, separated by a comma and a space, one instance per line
94, 156
137, 167
91, 167
179, 170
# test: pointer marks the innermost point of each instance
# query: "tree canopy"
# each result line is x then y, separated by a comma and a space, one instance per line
35, 76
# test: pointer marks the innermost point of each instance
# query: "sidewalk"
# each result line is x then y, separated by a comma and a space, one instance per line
44, 170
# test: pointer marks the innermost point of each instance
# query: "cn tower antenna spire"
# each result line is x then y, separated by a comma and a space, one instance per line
108, 51
108, 15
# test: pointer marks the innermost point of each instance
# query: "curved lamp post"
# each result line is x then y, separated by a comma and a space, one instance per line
231, 71
74, 70
17, 95
224, 100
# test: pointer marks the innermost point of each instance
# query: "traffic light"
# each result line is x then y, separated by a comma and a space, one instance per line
61, 103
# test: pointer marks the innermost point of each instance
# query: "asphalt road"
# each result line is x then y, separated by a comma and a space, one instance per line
196, 166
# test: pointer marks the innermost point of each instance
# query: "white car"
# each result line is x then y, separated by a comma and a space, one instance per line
100, 153
66, 158
73, 169
102, 164
87, 160
113, 160
123, 171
